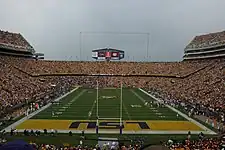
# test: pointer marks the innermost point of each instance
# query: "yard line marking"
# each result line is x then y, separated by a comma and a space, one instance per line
65, 106
76, 97
125, 108
92, 108
140, 98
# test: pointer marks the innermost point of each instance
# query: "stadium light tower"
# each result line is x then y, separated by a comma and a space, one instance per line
148, 36
80, 44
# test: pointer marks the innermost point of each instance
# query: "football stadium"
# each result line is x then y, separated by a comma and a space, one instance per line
97, 103
110, 102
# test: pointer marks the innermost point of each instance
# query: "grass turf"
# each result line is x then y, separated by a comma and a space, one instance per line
79, 104
82, 105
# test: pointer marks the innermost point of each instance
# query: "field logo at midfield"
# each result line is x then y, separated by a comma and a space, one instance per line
107, 124
136, 106
108, 97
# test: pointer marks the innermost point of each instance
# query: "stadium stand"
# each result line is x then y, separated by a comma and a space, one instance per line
195, 86
14, 41
201, 143
206, 46
34, 67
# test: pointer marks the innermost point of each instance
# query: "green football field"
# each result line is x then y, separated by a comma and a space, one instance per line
77, 112
141, 114
82, 105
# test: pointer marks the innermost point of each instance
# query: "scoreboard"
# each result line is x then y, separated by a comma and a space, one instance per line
107, 54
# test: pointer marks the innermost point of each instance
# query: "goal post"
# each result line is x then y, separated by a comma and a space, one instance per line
117, 121
117, 124
121, 106
97, 98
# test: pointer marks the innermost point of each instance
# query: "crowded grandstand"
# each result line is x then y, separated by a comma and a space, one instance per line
206, 46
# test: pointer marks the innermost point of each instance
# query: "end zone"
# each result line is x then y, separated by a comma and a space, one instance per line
107, 126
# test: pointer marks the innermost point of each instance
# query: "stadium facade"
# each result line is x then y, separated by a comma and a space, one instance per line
14, 44
208, 46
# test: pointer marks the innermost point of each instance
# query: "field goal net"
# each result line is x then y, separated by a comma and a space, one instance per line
109, 105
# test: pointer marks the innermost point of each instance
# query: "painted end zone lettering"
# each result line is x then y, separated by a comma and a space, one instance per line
107, 124
128, 125
90, 124
142, 125
110, 125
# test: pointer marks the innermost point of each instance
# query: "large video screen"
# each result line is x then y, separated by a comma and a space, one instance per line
103, 54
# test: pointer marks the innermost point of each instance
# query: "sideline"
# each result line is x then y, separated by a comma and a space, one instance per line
111, 131
209, 131
12, 126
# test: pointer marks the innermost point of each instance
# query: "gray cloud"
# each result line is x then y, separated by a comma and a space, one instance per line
54, 26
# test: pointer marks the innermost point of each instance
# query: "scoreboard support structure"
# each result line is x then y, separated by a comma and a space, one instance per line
104, 55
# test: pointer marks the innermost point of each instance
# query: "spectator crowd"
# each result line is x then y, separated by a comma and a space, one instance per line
13, 41
199, 84
106, 146
207, 40
200, 143
217, 143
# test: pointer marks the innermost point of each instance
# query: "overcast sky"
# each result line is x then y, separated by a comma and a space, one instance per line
53, 26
